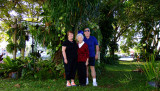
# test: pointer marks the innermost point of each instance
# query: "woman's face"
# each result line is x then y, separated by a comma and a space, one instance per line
70, 36
80, 39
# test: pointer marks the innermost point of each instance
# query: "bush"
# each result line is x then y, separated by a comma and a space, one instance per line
42, 69
152, 70
32, 67
111, 59
100, 68
10, 65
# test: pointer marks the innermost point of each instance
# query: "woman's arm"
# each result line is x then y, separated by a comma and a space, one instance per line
87, 62
87, 54
64, 54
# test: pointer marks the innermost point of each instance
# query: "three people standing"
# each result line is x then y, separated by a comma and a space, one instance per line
85, 51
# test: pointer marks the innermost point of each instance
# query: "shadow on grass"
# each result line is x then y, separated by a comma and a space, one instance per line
122, 77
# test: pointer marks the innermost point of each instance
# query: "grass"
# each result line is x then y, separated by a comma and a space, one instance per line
118, 77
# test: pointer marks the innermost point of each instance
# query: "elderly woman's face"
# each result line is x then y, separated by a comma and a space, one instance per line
80, 39
70, 36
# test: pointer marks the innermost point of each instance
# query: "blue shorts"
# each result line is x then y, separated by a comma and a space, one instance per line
91, 61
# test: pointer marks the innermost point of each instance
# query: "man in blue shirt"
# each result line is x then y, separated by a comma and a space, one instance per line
92, 43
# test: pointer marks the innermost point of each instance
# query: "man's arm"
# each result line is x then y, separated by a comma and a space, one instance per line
97, 51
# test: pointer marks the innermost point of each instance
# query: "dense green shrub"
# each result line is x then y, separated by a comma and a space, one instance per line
10, 65
152, 70
32, 67
42, 69
111, 60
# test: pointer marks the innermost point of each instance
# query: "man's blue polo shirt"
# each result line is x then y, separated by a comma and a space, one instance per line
91, 42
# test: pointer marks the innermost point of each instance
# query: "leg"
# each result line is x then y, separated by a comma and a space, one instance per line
93, 72
73, 71
87, 74
87, 71
92, 66
82, 73
79, 72
67, 72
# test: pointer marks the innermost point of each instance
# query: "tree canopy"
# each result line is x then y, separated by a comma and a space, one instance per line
115, 20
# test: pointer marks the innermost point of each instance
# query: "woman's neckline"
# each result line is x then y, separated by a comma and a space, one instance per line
70, 41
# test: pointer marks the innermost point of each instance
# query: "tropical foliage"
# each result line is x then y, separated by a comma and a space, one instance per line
133, 22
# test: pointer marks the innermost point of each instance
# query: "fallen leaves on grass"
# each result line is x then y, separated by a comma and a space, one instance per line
17, 85
138, 70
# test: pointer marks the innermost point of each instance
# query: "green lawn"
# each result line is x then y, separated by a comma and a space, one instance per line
114, 78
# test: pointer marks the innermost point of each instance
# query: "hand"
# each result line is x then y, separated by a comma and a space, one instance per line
96, 56
65, 61
86, 63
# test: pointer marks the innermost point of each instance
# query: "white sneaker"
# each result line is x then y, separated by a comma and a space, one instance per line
87, 83
95, 84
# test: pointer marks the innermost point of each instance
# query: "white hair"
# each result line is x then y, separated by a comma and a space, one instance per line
79, 35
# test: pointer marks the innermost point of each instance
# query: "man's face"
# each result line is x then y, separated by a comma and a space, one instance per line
87, 32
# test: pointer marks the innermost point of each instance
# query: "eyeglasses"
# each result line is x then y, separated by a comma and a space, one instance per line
86, 30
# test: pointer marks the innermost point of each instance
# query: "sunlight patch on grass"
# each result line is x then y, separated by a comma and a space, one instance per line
124, 66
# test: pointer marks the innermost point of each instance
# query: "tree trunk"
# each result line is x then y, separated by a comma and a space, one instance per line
14, 42
14, 39
75, 31
112, 52
22, 53
103, 48
58, 57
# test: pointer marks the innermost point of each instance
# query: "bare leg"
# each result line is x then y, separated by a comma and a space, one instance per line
93, 72
87, 71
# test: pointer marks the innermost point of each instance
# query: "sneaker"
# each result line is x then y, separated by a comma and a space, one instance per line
87, 83
68, 84
95, 84
73, 84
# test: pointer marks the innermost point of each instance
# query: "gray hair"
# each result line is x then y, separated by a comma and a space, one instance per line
79, 35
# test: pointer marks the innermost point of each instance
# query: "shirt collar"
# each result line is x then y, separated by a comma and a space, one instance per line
80, 44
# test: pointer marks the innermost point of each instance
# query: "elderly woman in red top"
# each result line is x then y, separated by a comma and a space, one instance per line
83, 56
